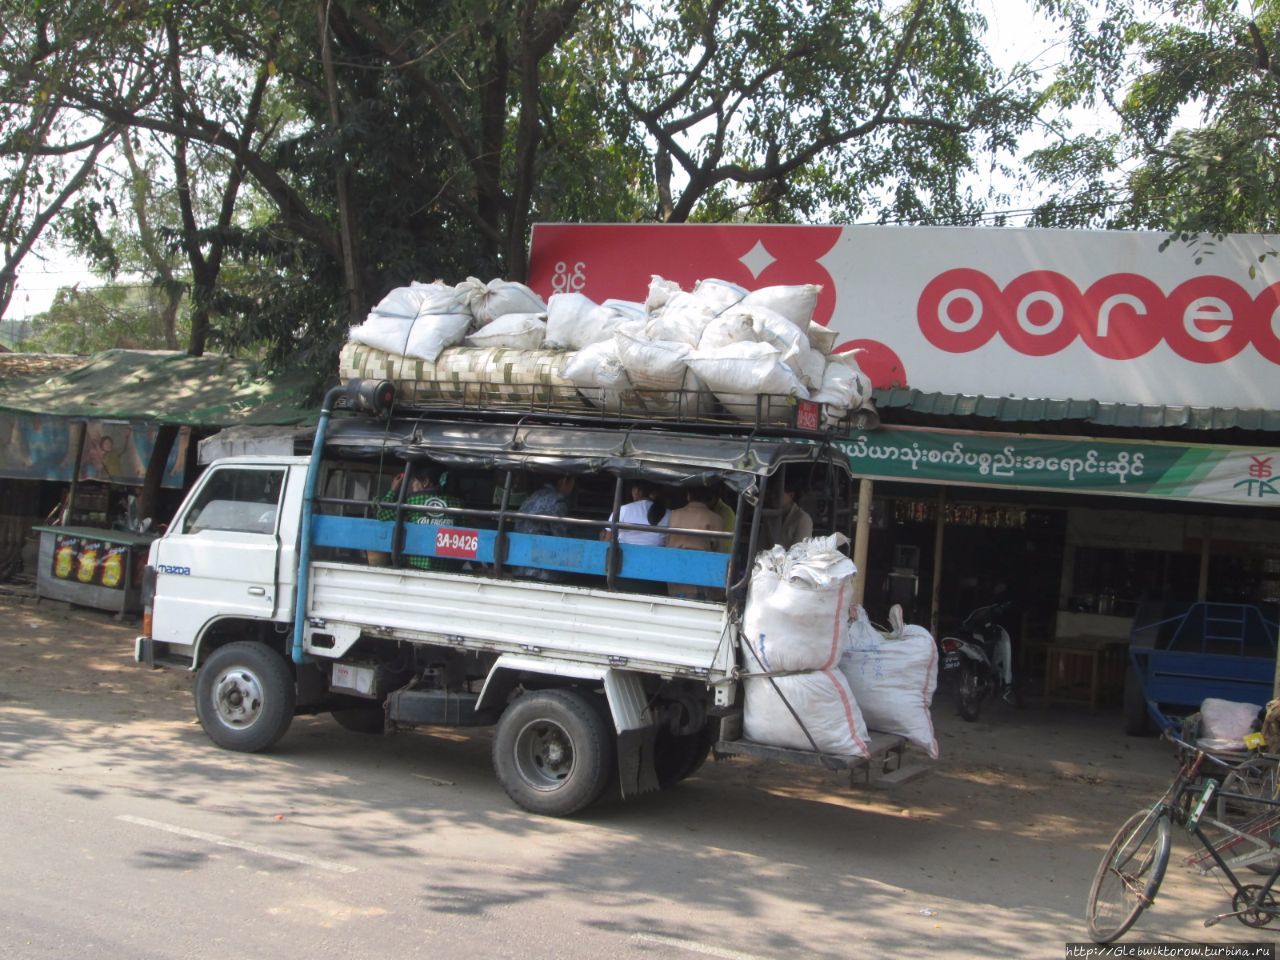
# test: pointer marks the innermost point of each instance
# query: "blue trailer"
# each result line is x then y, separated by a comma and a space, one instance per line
1223, 650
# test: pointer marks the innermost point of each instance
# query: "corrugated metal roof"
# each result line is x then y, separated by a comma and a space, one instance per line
1029, 410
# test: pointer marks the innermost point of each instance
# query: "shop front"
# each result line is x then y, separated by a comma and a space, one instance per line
1089, 539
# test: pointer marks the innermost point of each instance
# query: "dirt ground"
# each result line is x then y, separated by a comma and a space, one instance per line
1014, 815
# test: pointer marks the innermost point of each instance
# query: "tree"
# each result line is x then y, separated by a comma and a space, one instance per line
791, 111
1194, 86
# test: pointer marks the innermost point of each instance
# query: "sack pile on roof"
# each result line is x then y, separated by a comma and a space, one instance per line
716, 348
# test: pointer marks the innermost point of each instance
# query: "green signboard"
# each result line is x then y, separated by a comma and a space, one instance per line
1244, 476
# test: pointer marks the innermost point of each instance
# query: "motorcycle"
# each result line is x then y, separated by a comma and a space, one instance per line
979, 658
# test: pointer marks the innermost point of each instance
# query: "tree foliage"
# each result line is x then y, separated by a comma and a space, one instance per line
1195, 87
288, 163
797, 111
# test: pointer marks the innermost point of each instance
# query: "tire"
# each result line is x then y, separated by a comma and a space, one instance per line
1256, 778
245, 696
371, 719
969, 692
1137, 718
679, 756
553, 752
1129, 875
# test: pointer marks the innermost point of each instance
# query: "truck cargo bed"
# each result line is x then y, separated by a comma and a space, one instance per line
635, 631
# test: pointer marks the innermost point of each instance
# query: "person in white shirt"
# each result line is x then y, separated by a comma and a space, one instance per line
644, 508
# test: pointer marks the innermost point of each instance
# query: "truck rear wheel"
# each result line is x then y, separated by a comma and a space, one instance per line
553, 752
371, 719
679, 756
245, 697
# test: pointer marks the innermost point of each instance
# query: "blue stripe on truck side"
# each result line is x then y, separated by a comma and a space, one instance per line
566, 554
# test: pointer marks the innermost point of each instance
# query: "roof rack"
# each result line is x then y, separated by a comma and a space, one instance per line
501, 381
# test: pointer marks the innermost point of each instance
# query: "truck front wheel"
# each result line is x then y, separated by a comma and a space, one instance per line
553, 752
245, 697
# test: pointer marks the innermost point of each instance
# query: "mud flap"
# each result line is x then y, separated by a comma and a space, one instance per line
636, 771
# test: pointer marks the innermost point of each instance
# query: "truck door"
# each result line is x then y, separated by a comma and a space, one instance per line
222, 554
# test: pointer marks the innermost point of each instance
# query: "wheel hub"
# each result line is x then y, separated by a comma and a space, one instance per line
237, 698
544, 754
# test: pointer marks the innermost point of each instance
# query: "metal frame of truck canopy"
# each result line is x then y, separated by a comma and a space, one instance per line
652, 454
744, 464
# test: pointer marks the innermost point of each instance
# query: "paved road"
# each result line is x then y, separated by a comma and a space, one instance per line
127, 834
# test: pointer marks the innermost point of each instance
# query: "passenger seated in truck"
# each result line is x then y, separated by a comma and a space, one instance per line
795, 524
552, 499
646, 507
696, 515
424, 491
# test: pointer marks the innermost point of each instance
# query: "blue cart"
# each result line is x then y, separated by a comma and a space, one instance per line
1223, 650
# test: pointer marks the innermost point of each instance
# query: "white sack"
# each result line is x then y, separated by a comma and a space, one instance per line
810, 367
386, 333
419, 298
821, 698
651, 364
844, 385
433, 333
796, 303
520, 331
575, 321
683, 320
597, 372
770, 327
726, 329
744, 368
629, 309
494, 299
719, 295
1224, 723
660, 291
795, 618
893, 679
823, 339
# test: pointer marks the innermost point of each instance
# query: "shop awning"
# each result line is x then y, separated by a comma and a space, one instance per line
1096, 412
161, 387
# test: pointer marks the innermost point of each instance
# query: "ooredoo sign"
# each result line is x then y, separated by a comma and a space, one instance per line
1055, 314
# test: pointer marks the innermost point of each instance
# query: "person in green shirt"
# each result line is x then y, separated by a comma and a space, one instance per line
424, 491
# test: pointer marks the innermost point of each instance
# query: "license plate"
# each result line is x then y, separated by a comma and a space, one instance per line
951, 661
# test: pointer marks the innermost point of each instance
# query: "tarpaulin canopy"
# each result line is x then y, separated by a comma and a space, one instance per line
660, 456
161, 387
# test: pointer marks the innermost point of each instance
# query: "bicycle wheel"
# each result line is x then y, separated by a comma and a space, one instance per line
1129, 874
1256, 778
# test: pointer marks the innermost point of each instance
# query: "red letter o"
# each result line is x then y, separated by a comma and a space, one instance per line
959, 310
1042, 310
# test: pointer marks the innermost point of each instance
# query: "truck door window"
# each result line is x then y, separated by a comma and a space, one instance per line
239, 500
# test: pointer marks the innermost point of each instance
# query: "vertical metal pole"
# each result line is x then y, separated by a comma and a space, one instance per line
935, 596
1202, 589
861, 538
613, 559
500, 544
79, 433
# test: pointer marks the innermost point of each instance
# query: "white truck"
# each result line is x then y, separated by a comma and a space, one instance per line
296, 585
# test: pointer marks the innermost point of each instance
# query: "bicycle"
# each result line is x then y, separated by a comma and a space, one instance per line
1129, 876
